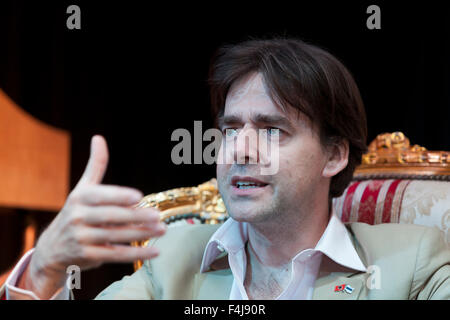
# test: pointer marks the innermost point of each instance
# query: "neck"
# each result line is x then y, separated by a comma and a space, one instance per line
276, 242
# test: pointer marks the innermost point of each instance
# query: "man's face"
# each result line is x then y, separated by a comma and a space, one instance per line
248, 193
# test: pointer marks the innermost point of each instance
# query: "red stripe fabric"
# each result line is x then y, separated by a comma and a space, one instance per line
347, 206
386, 218
368, 203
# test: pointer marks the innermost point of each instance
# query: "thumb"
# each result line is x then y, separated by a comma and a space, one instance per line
98, 162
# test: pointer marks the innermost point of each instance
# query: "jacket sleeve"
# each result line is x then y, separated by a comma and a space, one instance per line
138, 286
432, 272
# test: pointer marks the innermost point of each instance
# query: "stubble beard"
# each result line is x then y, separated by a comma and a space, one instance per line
255, 211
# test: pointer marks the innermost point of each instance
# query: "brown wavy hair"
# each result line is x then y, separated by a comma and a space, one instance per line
301, 76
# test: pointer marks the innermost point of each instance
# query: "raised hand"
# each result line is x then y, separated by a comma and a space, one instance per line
95, 226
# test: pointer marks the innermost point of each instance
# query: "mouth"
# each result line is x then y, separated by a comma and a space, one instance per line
247, 183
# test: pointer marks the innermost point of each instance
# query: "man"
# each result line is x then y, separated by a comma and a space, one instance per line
283, 240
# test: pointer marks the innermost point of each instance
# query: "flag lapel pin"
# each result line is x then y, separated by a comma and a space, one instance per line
344, 288
339, 288
348, 289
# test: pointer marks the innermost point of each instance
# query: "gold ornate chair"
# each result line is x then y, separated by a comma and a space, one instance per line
192, 205
395, 183
399, 183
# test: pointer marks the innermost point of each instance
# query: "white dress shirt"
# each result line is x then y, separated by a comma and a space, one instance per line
335, 242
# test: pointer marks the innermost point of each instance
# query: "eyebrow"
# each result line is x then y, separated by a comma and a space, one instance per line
267, 119
228, 120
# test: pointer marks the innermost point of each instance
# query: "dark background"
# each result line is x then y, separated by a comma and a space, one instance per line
135, 72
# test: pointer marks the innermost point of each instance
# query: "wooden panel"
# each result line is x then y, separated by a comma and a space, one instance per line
34, 160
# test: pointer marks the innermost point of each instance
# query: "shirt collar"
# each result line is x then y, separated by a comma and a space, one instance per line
230, 237
337, 245
335, 242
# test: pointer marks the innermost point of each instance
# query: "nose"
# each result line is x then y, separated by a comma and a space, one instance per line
246, 146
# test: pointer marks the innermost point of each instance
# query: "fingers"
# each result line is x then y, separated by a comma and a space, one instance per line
97, 163
95, 195
98, 235
120, 253
116, 215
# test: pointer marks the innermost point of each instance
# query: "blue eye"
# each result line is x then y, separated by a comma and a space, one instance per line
273, 131
231, 132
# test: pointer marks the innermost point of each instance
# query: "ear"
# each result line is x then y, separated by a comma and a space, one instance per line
337, 158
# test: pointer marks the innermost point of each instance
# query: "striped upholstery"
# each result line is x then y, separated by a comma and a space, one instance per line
422, 202
371, 201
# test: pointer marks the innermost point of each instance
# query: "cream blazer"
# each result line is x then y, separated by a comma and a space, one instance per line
403, 261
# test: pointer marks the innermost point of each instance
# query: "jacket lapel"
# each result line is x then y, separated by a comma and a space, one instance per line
213, 285
332, 274
325, 287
